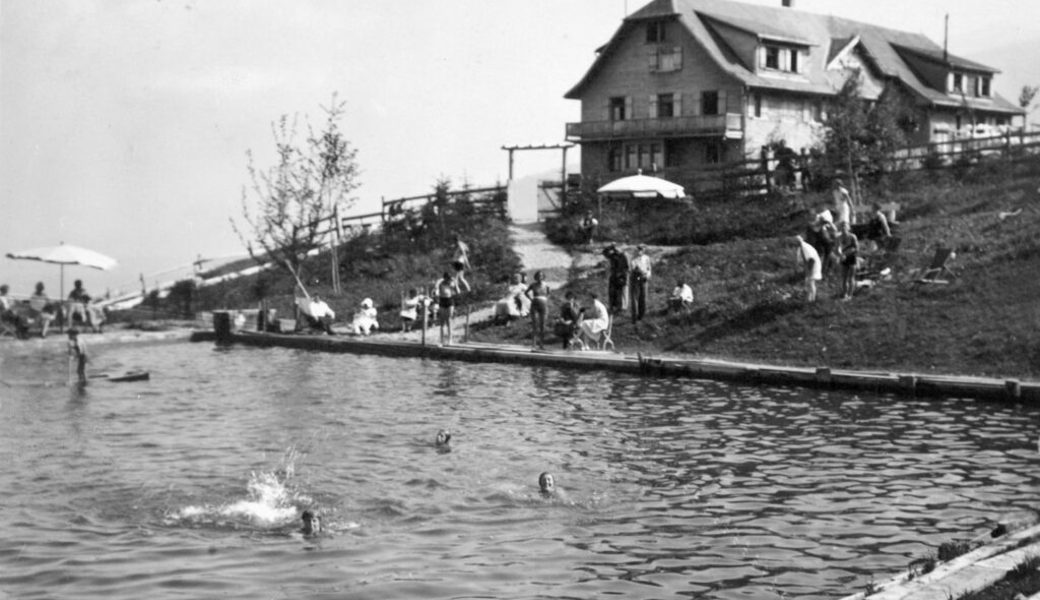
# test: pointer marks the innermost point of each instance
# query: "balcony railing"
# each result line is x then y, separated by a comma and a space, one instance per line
730, 125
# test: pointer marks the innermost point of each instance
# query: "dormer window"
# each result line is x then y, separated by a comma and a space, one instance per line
983, 87
655, 32
779, 58
772, 57
958, 82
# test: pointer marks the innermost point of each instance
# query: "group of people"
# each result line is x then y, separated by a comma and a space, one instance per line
40, 310
628, 284
829, 240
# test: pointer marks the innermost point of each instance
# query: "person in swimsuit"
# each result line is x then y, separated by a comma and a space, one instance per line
538, 294
447, 291
460, 262
848, 248
443, 439
546, 484
311, 523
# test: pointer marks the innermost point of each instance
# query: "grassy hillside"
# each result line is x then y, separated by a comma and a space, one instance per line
738, 257
749, 303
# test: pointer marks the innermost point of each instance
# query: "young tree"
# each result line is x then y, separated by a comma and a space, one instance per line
296, 198
861, 135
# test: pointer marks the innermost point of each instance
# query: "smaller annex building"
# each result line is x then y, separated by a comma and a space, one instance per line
689, 83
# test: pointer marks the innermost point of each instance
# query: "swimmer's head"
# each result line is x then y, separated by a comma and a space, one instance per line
443, 437
311, 523
546, 483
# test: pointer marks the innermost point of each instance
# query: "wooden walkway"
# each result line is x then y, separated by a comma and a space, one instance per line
904, 384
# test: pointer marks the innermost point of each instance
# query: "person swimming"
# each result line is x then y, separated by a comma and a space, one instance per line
443, 438
311, 523
546, 484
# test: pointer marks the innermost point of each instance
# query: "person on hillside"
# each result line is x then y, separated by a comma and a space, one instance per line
617, 282
365, 319
513, 304
588, 227
319, 315
460, 262
842, 203
682, 297
447, 293
568, 324
848, 250
41, 308
595, 322
822, 234
538, 294
409, 310
78, 355
878, 229
808, 261
640, 285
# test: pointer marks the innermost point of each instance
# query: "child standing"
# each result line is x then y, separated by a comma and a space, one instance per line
77, 353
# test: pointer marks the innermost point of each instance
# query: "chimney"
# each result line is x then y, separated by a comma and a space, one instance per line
788, 3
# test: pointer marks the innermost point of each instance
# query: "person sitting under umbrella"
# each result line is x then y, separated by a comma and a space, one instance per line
79, 306
41, 309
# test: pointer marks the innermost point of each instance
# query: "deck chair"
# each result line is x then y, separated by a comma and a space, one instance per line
938, 271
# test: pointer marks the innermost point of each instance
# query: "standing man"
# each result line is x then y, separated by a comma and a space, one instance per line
842, 204
617, 284
640, 283
808, 261
588, 227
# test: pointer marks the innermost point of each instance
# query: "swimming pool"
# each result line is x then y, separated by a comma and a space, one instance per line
191, 484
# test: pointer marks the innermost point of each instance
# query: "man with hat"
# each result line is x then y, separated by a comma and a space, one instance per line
617, 284
640, 283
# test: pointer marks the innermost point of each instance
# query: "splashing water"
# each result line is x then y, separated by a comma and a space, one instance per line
270, 503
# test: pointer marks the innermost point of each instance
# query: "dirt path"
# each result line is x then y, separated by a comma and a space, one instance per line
537, 253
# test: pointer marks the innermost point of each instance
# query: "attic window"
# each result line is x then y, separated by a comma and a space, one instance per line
779, 58
958, 82
654, 32
772, 57
984, 87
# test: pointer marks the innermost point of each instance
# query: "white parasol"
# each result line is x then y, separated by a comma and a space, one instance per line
66, 254
643, 186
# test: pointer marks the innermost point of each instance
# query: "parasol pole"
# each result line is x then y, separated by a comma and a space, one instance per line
61, 303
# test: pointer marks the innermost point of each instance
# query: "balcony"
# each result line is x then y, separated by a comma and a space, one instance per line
730, 126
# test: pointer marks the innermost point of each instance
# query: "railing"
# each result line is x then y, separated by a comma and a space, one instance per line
730, 125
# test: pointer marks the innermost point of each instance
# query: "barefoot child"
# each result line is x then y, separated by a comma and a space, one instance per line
77, 353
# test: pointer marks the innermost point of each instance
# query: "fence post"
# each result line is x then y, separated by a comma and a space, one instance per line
765, 169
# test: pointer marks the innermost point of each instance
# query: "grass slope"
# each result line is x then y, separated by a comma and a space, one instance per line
749, 302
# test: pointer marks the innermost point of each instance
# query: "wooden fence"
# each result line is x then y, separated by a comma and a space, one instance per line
761, 175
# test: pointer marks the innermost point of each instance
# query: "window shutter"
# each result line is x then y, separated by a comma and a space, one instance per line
677, 104
653, 107
606, 110
651, 55
628, 108
696, 102
723, 108
678, 58
761, 57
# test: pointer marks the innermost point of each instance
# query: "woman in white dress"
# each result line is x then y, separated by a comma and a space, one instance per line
596, 320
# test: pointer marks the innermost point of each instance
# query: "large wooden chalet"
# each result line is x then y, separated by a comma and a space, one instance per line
688, 83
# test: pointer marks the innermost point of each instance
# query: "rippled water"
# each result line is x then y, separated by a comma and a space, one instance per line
190, 485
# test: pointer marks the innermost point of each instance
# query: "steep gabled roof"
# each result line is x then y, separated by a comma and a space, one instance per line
713, 23
943, 58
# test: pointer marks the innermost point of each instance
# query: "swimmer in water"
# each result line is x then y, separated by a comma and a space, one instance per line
443, 438
311, 523
546, 484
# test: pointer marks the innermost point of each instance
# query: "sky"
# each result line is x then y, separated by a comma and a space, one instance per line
124, 124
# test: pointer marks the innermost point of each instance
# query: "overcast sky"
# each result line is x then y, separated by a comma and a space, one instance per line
124, 123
